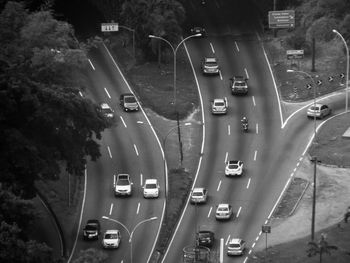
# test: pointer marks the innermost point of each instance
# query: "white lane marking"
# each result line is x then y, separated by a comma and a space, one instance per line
109, 96
253, 101
248, 183
121, 117
255, 153
141, 179
229, 129
300, 159
266, 222
81, 94
137, 153
253, 245
140, 122
218, 188
245, 260
257, 238
111, 209
91, 64
212, 47
220, 74
239, 211
226, 156
227, 239
257, 128
292, 174
210, 211
279, 198
138, 208
250, 251
294, 169
260, 233
221, 259
237, 46
246, 72
109, 152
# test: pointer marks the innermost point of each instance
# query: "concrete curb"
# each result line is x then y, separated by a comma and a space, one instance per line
301, 196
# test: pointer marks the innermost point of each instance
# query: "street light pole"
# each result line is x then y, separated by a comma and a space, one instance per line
314, 158
347, 68
127, 230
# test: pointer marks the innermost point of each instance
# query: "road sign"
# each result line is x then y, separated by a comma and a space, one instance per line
282, 19
295, 54
109, 27
266, 229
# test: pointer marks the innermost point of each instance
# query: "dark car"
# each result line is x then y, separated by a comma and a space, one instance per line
205, 238
92, 229
198, 30
128, 102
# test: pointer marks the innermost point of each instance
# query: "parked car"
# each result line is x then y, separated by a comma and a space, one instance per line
210, 66
106, 110
198, 30
122, 185
234, 167
199, 195
128, 102
111, 239
238, 85
318, 110
151, 188
223, 212
236, 246
92, 229
205, 238
219, 106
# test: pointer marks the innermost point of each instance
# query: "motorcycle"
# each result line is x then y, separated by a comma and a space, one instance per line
245, 126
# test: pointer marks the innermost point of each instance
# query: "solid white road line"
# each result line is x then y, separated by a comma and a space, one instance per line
137, 153
248, 183
138, 208
237, 46
221, 250
279, 198
211, 208
109, 96
111, 209
218, 188
91, 64
253, 100
109, 152
246, 72
228, 239
212, 47
121, 117
239, 211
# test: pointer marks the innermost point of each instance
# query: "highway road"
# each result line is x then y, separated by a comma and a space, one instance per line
130, 147
271, 150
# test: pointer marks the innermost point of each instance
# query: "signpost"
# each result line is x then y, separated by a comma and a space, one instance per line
109, 27
266, 229
295, 54
282, 19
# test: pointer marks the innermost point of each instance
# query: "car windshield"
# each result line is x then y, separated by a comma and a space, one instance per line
233, 166
151, 186
222, 209
129, 99
240, 83
219, 104
234, 245
123, 182
106, 110
314, 108
197, 194
91, 227
211, 63
204, 235
111, 236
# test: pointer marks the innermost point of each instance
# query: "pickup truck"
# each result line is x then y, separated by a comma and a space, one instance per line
122, 185
219, 106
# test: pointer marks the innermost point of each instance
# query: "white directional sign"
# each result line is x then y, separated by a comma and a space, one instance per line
295, 54
282, 19
109, 27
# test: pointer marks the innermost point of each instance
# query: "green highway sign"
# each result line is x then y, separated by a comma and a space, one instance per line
282, 19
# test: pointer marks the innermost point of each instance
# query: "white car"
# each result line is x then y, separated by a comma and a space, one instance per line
223, 212
210, 66
236, 246
318, 111
151, 188
219, 106
111, 239
122, 185
106, 110
233, 168
199, 195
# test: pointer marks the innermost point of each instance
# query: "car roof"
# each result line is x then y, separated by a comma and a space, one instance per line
151, 181
210, 59
235, 241
93, 221
219, 100
318, 105
112, 231
127, 94
238, 77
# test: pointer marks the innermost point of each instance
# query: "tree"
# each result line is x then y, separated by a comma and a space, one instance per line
321, 29
91, 255
320, 247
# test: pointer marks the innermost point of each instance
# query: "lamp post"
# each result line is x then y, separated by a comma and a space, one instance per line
347, 68
128, 231
314, 158
133, 37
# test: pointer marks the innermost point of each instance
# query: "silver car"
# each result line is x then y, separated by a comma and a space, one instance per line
318, 111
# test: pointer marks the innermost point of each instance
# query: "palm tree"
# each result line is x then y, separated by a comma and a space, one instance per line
320, 247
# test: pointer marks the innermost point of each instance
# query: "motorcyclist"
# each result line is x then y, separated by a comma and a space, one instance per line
244, 120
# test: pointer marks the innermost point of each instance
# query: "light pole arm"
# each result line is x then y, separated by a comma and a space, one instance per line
183, 40
120, 223
140, 223
161, 38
